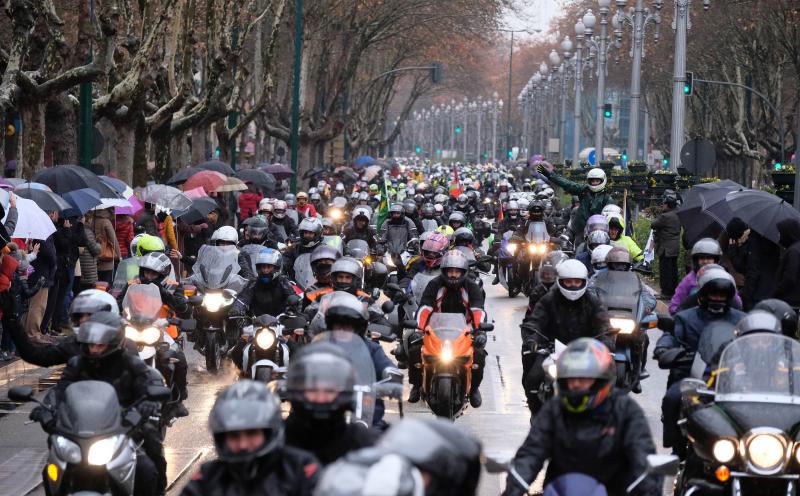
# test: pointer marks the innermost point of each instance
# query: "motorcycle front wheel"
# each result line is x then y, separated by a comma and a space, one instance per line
445, 406
213, 358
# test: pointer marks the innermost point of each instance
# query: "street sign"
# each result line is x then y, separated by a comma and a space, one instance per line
592, 157
698, 156
553, 145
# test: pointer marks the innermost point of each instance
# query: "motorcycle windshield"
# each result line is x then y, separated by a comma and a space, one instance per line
420, 282
468, 252
142, 303
429, 225
217, 266
357, 248
537, 233
618, 290
252, 252
448, 325
126, 270
303, 274
89, 409
760, 368
334, 241
357, 352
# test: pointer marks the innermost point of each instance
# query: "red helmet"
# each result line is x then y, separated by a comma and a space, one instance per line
433, 249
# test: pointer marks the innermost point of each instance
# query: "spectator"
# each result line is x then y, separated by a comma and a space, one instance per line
788, 287
753, 256
666, 235
43, 276
109, 247
147, 219
124, 231
248, 202
88, 261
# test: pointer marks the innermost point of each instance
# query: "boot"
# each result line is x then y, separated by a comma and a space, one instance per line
475, 400
180, 410
496, 280
414, 394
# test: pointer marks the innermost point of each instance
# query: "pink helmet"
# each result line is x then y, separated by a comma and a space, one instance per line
433, 249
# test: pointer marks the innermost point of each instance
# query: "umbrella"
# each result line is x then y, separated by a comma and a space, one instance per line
64, 178
216, 165
112, 203
364, 160
119, 186
197, 192
82, 200
47, 200
706, 194
15, 181
134, 206
207, 179
280, 171
182, 175
166, 197
370, 172
698, 223
760, 210
258, 177
4, 184
231, 184
317, 171
32, 221
39, 186
199, 209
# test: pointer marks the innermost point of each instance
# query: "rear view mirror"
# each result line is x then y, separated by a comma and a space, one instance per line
657, 465
20, 394
486, 327
158, 393
666, 323
376, 294
495, 464
393, 287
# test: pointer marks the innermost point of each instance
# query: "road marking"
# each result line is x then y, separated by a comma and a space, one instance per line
15, 474
183, 458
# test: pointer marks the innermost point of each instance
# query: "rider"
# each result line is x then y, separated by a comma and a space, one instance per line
593, 240
320, 385
564, 315
284, 224
270, 293
359, 228
783, 312
616, 231
310, 236
715, 293
535, 214
252, 456
587, 428
451, 292
510, 222
547, 277
705, 251
397, 231
303, 207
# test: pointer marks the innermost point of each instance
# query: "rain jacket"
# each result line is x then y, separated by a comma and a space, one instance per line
686, 289
591, 203
104, 229
788, 287
628, 243
248, 204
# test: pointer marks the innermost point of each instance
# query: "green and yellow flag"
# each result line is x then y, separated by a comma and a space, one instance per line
383, 209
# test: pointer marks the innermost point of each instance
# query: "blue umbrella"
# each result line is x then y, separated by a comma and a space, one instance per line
364, 160
82, 200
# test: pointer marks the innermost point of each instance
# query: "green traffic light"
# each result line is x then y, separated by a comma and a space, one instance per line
665, 161
438, 152
458, 130
778, 165
686, 89
418, 149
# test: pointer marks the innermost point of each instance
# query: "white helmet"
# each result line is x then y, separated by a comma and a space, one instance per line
599, 256
597, 173
572, 269
548, 192
93, 300
225, 233
612, 209
265, 204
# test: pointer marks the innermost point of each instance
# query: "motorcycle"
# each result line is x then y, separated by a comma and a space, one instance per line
623, 294
506, 267
266, 355
520, 259
218, 282
744, 435
127, 270
375, 271
547, 388
447, 358
91, 438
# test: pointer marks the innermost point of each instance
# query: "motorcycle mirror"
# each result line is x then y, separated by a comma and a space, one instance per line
229, 293
20, 394
666, 323
486, 327
132, 417
158, 393
555, 239
387, 306
663, 464
376, 294
410, 323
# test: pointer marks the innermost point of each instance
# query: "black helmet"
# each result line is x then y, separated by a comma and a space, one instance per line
463, 237
320, 365
783, 311
311, 225
410, 207
536, 207
246, 405
256, 229
419, 199
758, 321
547, 273
349, 266
322, 259
437, 447
454, 259
456, 217
715, 281
344, 309
102, 328
428, 211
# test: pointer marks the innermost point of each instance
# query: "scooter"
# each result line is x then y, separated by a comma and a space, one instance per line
266, 355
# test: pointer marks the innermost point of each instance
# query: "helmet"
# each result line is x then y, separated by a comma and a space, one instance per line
705, 248
536, 207
457, 217
280, 208
225, 234
322, 259
523, 204
758, 321
615, 221
373, 188
433, 249
597, 222
462, 200
419, 198
398, 209
350, 266
463, 237
555, 257
438, 208
311, 191
440, 199
370, 471
548, 192
361, 213
585, 358
670, 198
454, 259
268, 256
599, 255
256, 229
316, 197
302, 196
572, 269
313, 226
91, 301
265, 205
512, 207
328, 223
363, 196
437, 447
428, 211
547, 273
246, 405
596, 173
410, 207
147, 244
783, 311
611, 209
346, 310
156, 262
339, 188
597, 238
715, 281
619, 259
321, 365
102, 328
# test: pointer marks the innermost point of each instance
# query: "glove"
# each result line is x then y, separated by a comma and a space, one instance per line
149, 408
389, 390
479, 339
542, 170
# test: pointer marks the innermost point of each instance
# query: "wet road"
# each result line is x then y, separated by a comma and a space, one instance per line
501, 423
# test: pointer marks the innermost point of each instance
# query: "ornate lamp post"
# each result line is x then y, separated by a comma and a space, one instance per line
600, 45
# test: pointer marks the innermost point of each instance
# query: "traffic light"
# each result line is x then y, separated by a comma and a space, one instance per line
624, 155
418, 149
436, 72
665, 161
607, 112
510, 153
438, 152
778, 165
688, 84
458, 129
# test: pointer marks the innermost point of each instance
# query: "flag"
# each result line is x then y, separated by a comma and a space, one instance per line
455, 186
500, 215
383, 209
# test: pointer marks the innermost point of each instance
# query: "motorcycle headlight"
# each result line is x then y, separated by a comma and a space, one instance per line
552, 371
542, 248
625, 326
102, 451
67, 450
447, 351
265, 339
724, 450
765, 451
150, 335
533, 249
511, 248
213, 301
336, 214
132, 333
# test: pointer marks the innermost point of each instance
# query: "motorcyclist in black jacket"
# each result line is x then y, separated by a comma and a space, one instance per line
252, 458
284, 224
320, 385
588, 428
510, 222
359, 228
310, 236
270, 293
565, 314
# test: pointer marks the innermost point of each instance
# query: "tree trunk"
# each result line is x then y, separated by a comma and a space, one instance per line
31, 159
199, 144
140, 153
223, 140
126, 136
179, 151
305, 156
61, 127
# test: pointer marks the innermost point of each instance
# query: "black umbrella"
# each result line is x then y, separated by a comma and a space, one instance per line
47, 201
760, 210
200, 208
216, 165
698, 224
280, 171
706, 194
65, 178
182, 175
257, 177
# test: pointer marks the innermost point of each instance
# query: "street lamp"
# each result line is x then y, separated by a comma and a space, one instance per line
600, 45
638, 18
496, 105
580, 32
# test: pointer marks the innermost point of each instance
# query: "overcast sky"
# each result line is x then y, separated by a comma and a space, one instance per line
534, 14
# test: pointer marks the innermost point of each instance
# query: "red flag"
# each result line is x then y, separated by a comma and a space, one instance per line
500, 215
455, 186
